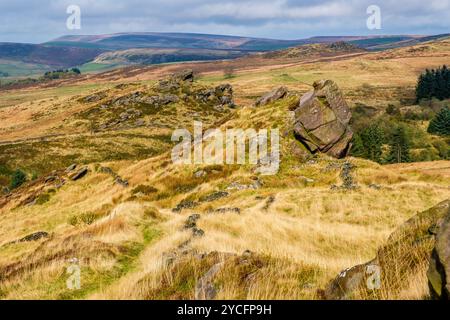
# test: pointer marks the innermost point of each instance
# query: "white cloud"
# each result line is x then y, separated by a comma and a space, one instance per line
38, 21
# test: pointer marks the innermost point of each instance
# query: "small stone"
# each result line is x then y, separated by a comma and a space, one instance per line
198, 233
192, 221
71, 167
200, 174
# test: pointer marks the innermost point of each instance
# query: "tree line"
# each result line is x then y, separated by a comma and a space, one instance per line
434, 83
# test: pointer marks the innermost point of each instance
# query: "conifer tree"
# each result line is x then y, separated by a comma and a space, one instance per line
399, 147
358, 149
440, 124
434, 83
372, 138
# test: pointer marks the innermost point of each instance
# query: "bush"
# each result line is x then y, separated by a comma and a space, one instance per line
442, 148
18, 178
392, 110
146, 190
43, 198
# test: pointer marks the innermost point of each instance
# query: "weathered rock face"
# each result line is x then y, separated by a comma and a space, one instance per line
439, 271
322, 120
276, 94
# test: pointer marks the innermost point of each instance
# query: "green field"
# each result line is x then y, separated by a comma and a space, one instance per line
21, 69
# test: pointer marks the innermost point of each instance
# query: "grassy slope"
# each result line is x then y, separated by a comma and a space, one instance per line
306, 235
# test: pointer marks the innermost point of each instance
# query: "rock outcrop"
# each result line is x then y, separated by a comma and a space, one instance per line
439, 271
276, 94
155, 105
322, 120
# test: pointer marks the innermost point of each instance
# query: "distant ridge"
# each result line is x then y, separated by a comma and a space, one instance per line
100, 52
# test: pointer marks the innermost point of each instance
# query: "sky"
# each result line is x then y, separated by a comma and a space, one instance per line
37, 21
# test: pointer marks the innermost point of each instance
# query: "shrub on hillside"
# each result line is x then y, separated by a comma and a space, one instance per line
18, 178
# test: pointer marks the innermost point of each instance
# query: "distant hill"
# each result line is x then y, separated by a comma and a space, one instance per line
148, 56
123, 41
100, 52
47, 55
314, 50
396, 42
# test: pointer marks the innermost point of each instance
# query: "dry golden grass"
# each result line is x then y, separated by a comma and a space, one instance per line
301, 239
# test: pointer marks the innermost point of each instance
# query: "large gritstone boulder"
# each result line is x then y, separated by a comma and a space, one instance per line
322, 120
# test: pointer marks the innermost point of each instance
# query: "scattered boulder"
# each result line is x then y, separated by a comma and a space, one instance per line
94, 97
257, 184
107, 170
51, 178
322, 120
184, 75
200, 174
214, 196
122, 182
205, 289
225, 210
348, 182
34, 236
439, 270
168, 99
71, 167
31, 237
176, 80
184, 204
191, 222
276, 94
220, 97
117, 179
269, 202
374, 186
197, 233
79, 174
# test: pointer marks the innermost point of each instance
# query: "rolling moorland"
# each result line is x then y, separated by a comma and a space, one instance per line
105, 52
86, 173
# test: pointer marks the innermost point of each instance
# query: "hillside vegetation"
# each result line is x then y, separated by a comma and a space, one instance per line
87, 176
